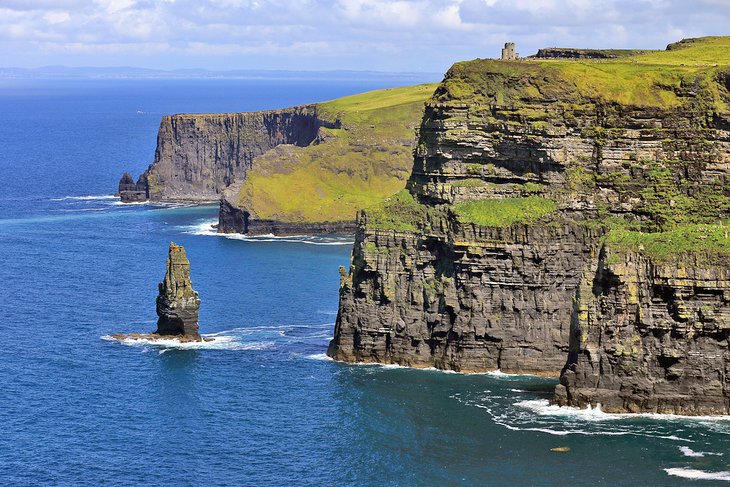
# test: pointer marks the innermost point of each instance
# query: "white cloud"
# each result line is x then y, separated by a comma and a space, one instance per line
326, 34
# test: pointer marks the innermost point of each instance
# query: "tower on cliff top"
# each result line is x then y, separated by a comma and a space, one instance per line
508, 52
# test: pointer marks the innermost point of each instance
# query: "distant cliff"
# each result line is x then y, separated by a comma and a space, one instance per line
561, 215
200, 155
305, 169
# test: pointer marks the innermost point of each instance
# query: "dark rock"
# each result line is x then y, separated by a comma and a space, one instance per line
177, 302
641, 336
650, 336
232, 219
129, 192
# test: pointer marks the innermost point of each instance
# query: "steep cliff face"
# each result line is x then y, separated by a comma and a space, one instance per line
198, 156
651, 336
299, 170
525, 176
462, 297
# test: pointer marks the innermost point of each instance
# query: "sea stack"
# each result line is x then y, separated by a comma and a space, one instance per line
178, 302
131, 192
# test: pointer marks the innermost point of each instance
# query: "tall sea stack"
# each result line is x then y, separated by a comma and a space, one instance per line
177, 302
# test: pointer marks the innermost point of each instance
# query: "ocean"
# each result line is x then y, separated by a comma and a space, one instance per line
260, 404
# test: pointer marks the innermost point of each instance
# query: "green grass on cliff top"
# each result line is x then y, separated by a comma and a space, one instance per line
354, 167
651, 79
505, 211
400, 212
710, 242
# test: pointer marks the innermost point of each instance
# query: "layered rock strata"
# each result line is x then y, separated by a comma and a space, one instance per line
532, 191
200, 155
650, 336
177, 303
462, 297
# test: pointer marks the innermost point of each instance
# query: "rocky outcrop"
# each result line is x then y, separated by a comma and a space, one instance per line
177, 302
232, 219
650, 336
472, 277
131, 192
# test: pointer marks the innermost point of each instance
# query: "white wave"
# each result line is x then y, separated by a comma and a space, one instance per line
320, 356
87, 197
691, 473
206, 228
77, 210
202, 228
689, 452
543, 407
130, 203
218, 342
499, 373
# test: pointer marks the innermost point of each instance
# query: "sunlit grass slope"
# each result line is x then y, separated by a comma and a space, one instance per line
656, 79
352, 167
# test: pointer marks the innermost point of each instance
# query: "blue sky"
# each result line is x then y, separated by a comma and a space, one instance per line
404, 35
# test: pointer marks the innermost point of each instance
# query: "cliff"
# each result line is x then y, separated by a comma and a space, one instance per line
303, 169
199, 155
361, 155
547, 201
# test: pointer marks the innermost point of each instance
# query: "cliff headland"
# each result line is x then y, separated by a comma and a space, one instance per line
305, 169
561, 208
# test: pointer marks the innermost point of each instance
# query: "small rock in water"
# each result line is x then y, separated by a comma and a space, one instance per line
561, 449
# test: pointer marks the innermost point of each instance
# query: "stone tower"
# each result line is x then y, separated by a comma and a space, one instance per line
508, 52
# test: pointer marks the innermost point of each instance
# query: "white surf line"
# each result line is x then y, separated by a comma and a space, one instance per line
693, 474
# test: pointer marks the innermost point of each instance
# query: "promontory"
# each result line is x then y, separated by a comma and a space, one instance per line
564, 216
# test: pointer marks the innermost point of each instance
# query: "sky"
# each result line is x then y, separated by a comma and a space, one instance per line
374, 35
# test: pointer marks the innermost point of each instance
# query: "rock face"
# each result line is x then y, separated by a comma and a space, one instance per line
200, 155
651, 336
462, 297
549, 221
177, 302
131, 192
232, 219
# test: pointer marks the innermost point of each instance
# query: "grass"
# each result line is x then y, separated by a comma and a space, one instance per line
393, 104
652, 79
504, 212
400, 212
711, 242
353, 167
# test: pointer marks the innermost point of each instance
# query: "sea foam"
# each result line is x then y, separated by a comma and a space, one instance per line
206, 228
216, 342
691, 473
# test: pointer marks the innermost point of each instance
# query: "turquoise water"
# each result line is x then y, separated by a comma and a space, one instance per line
260, 405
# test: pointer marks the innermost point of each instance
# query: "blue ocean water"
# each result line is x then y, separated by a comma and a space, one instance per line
260, 405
